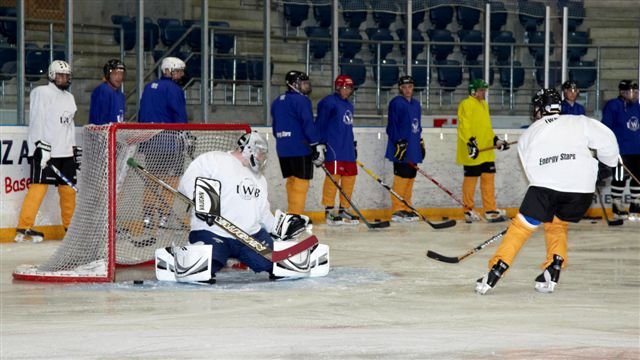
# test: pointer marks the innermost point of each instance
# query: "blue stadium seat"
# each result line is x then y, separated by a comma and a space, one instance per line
584, 73
380, 34
256, 70
8, 58
349, 49
58, 51
9, 28
384, 12
417, 45
389, 73
555, 74
440, 13
498, 16
318, 48
476, 71
470, 51
505, 74
576, 13
221, 66
129, 31
354, 12
170, 31
467, 17
223, 43
441, 51
449, 74
296, 13
322, 12
354, 68
419, 72
575, 38
193, 69
418, 13
531, 14
500, 46
36, 63
536, 44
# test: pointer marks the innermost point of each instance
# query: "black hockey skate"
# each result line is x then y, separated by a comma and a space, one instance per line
618, 210
489, 281
28, 234
547, 281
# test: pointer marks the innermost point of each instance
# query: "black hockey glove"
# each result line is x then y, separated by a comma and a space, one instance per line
472, 148
500, 144
45, 152
401, 150
355, 148
77, 156
423, 151
318, 154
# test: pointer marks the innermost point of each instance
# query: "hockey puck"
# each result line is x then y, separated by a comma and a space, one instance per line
376, 220
594, 221
138, 282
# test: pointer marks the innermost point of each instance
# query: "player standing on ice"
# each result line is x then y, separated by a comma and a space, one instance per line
474, 133
297, 142
556, 157
52, 141
404, 147
233, 185
622, 116
335, 127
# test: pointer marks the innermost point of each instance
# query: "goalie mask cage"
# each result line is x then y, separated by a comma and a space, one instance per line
120, 217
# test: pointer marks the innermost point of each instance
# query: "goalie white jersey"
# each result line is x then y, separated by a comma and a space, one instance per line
555, 154
243, 193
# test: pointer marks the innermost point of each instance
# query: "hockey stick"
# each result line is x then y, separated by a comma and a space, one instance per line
495, 146
454, 260
64, 178
370, 225
440, 186
231, 228
615, 222
440, 225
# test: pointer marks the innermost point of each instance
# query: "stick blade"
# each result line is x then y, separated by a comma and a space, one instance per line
378, 225
443, 225
439, 257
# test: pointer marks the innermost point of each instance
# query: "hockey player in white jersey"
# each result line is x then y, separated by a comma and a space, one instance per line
51, 141
556, 157
238, 192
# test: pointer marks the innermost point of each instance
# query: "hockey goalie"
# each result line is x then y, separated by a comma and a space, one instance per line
231, 218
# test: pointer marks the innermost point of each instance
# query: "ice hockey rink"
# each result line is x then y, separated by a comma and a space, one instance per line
383, 299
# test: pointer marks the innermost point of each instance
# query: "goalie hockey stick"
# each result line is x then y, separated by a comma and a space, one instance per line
495, 147
440, 186
440, 225
454, 260
370, 225
61, 176
615, 222
233, 230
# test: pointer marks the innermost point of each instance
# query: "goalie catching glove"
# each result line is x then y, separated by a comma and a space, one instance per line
288, 226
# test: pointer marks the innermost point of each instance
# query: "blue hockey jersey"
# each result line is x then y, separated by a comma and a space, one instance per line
404, 124
107, 105
163, 101
292, 124
624, 120
335, 127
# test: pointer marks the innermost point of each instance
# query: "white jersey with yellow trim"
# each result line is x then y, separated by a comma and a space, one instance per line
51, 113
555, 152
243, 193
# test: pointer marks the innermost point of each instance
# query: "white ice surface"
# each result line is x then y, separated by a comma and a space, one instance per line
383, 299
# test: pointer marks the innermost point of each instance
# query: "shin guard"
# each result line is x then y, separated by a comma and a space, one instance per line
469, 191
67, 204
555, 236
347, 183
296, 194
399, 184
518, 233
329, 191
487, 190
31, 205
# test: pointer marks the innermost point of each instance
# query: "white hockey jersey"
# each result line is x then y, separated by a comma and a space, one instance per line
51, 113
243, 193
555, 154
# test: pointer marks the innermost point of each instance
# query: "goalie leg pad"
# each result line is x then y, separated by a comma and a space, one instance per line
311, 263
190, 264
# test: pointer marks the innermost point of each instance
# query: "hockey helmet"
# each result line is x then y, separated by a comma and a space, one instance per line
58, 67
343, 81
477, 84
406, 79
254, 149
294, 80
172, 64
569, 85
111, 65
625, 85
546, 102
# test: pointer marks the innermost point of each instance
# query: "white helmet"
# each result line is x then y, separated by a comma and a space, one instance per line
172, 63
254, 149
58, 67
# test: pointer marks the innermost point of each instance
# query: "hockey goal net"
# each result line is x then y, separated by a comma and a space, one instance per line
121, 217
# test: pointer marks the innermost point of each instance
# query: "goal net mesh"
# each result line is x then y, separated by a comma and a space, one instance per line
120, 216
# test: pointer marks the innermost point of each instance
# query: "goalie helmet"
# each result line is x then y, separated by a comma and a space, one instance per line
172, 64
254, 149
546, 102
298, 81
58, 67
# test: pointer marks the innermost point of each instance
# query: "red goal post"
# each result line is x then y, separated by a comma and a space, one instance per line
120, 217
